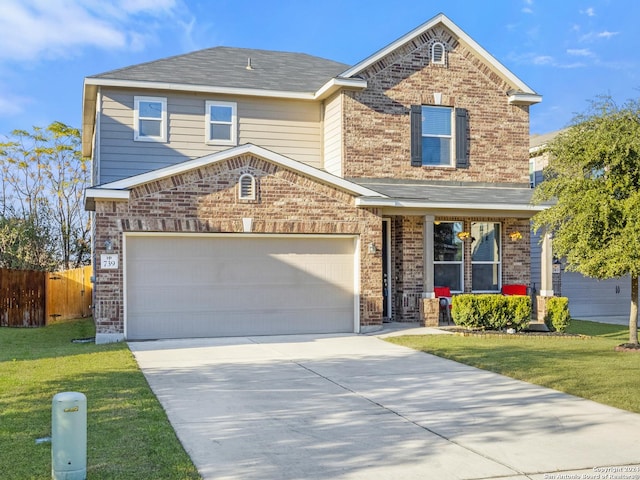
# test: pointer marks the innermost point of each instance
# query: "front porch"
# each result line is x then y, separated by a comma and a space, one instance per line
466, 254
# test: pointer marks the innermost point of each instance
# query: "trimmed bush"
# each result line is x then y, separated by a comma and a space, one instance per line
557, 317
491, 312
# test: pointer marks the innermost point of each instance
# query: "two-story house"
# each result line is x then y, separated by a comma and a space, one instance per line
248, 192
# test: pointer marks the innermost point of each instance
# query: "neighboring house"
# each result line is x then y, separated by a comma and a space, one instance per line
248, 192
588, 297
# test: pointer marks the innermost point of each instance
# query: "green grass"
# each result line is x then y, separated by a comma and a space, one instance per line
128, 433
587, 367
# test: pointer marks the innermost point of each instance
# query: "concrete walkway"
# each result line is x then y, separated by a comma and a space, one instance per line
356, 407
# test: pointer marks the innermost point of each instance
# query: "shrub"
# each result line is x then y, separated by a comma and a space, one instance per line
557, 317
463, 311
492, 312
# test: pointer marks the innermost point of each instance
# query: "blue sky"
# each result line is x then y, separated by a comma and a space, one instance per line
568, 51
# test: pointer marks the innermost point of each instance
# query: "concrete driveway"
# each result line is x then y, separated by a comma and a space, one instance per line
356, 407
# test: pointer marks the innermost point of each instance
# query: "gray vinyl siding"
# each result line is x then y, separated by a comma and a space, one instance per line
333, 135
288, 127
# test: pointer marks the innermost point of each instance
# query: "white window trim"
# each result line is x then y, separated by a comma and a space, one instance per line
452, 262
498, 262
136, 119
252, 196
234, 123
451, 137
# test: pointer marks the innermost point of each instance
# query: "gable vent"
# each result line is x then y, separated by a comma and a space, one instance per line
247, 187
438, 53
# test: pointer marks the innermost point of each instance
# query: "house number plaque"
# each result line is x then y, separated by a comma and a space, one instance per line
109, 261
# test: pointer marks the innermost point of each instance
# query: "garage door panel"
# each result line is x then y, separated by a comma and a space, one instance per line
589, 297
223, 286
177, 298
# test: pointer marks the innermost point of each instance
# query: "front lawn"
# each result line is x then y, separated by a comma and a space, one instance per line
128, 435
581, 366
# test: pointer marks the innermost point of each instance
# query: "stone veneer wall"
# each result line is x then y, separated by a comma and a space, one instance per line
377, 122
206, 200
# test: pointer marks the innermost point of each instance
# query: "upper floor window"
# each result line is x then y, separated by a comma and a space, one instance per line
221, 123
150, 119
439, 136
436, 135
438, 53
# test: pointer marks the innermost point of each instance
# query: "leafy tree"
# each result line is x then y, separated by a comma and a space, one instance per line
43, 179
594, 177
25, 247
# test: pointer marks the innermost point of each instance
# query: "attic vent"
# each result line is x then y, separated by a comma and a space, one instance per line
247, 187
438, 53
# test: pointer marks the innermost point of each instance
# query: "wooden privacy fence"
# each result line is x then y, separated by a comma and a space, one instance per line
22, 298
69, 294
35, 299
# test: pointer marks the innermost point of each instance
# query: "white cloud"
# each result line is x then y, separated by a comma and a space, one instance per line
11, 105
542, 60
592, 36
589, 12
580, 52
607, 34
527, 10
34, 29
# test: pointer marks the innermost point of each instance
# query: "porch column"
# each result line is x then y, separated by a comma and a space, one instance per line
427, 255
546, 267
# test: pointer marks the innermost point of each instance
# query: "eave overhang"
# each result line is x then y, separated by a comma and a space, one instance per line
420, 206
520, 98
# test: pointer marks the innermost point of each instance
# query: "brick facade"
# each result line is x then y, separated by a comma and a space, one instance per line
376, 143
206, 200
377, 121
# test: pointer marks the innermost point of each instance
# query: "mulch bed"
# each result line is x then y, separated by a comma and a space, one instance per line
466, 332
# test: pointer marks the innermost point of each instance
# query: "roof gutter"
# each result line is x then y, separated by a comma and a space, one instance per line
378, 202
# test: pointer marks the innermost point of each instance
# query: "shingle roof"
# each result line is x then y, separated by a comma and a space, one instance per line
539, 140
449, 193
227, 67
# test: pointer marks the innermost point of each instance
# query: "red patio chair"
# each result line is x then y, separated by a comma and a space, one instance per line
444, 295
514, 289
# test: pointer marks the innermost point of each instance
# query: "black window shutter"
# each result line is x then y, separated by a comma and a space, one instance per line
416, 135
462, 145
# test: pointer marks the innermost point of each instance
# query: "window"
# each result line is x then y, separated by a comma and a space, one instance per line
438, 136
485, 257
438, 53
247, 187
150, 119
448, 255
532, 173
220, 123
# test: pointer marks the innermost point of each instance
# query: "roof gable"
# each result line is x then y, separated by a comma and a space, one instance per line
119, 190
522, 92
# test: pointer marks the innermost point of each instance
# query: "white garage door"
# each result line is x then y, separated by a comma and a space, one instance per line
589, 297
201, 286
